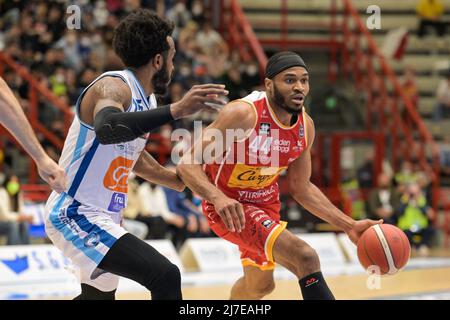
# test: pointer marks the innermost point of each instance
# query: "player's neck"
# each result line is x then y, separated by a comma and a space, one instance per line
142, 74
282, 115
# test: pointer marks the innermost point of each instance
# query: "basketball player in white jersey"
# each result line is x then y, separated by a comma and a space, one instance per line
13, 119
105, 142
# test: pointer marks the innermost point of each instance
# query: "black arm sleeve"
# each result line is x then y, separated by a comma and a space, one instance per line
114, 126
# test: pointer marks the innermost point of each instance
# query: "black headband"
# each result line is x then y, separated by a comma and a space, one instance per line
282, 61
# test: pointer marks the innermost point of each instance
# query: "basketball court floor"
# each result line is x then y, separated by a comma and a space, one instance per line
421, 282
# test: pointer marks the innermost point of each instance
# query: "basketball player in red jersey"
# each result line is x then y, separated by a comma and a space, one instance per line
239, 186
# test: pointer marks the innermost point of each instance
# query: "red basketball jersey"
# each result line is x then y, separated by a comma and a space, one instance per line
250, 169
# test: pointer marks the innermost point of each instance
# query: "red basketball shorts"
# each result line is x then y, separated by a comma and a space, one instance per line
255, 242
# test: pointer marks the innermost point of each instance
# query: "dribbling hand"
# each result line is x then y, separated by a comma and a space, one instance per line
359, 227
231, 212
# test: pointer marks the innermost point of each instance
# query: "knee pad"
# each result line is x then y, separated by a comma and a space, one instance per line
168, 285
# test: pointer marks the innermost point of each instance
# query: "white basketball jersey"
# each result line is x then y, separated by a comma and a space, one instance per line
98, 174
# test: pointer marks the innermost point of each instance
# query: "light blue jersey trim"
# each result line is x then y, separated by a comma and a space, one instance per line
62, 227
140, 89
83, 168
79, 146
105, 237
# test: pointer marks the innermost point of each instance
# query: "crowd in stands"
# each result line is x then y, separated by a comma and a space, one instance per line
400, 198
430, 13
35, 34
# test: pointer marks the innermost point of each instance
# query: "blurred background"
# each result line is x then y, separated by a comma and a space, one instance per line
380, 100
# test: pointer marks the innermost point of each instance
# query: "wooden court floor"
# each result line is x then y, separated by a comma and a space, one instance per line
343, 287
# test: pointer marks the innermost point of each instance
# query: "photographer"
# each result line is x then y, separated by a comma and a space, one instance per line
415, 217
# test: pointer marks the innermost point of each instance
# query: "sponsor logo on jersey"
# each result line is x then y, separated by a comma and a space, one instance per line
138, 105
244, 176
267, 223
116, 177
264, 128
262, 195
117, 202
301, 131
291, 160
299, 146
91, 240
125, 149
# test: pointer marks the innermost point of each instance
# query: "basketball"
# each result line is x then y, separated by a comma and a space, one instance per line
384, 246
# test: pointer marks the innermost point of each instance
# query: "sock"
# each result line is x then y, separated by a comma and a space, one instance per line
314, 287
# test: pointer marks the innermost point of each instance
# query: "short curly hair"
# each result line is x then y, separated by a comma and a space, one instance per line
140, 36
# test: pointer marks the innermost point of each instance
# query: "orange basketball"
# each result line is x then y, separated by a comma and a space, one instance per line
385, 246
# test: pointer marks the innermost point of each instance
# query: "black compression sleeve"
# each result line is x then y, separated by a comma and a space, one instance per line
113, 126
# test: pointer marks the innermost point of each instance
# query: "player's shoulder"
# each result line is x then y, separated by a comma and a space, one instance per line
239, 108
308, 119
236, 115
110, 86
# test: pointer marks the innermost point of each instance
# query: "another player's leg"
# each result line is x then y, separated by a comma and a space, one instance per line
254, 285
133, 258
302, 260
91, 293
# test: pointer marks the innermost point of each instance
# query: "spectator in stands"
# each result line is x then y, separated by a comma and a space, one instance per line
213, 50
383, 201
430, 13
131, 211
180, 16
154, 211
232, 79
195, 222
414, 218
13, 223
352, 193
405, 177
442, 105
197, 10
365, 172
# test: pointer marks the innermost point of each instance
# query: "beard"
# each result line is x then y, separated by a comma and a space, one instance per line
161, 80
280, 101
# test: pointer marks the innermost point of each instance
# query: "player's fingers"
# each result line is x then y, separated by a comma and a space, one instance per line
374, 222
223, 216
209, 86
59, 181
55, 184
212, 100
235, 217
241, 214
212, 91
228, 220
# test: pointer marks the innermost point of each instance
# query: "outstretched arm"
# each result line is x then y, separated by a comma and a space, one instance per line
105, 102
313, 200
13, 118
148, 168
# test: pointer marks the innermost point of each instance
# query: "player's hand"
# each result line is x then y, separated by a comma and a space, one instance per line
359, 227
231, 212
25, 218
197, 98
53, 174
